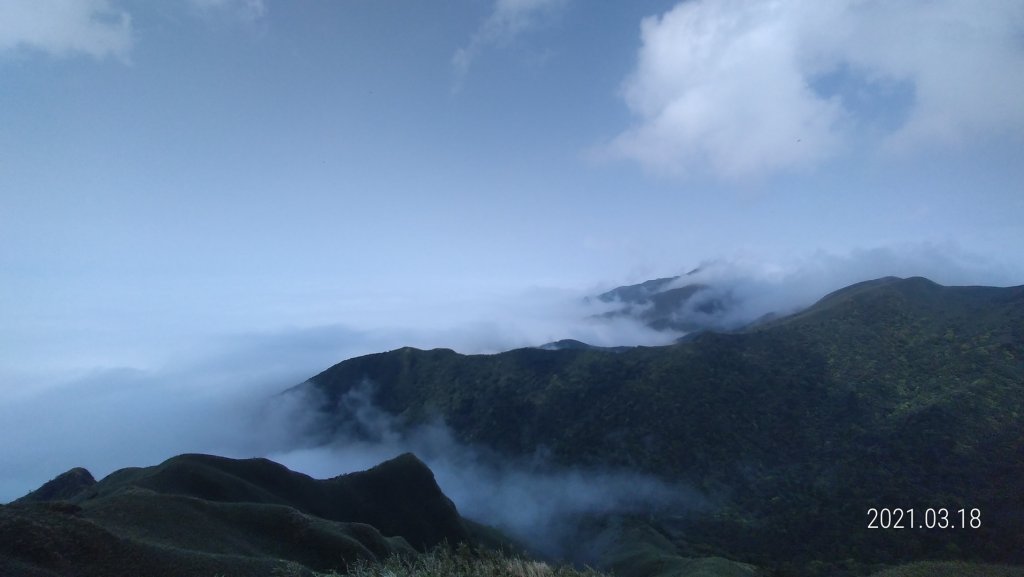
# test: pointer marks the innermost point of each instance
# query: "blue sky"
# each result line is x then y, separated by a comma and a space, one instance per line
310, 180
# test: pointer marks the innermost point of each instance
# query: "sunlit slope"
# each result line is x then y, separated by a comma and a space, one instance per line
890, 393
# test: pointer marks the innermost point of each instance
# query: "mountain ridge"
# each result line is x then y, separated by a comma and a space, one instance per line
202, 514
891, 393
825, 410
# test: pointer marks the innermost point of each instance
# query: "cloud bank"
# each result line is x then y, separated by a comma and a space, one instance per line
205, 392
219, 394
741, 89
66, 27
754, 287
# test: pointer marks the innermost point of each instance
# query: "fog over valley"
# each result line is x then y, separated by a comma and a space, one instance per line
217, 393
649, 286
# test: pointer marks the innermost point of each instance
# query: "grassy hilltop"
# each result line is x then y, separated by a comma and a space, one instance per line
206, 515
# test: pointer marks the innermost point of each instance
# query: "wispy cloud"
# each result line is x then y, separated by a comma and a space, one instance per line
246, 10
94, 28
742, 89
507, 20
66, 27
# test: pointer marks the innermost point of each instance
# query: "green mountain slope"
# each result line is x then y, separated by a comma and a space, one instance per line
204, 515
398, 497
891, 393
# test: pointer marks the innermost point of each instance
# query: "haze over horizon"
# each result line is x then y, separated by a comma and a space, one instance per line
202, 200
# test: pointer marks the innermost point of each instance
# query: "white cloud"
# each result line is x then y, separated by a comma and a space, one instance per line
507, 20
66, 27
736, 87
758, 284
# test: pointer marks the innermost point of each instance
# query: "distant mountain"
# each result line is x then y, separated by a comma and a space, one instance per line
894, 393
205, 515
674, 304
638, 293
573, 344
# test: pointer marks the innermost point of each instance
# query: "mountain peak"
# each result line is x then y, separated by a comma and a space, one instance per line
63, 486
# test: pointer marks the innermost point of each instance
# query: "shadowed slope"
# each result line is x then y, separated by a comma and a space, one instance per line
951, 569
41, 541
206, 515
64, 486
399, 497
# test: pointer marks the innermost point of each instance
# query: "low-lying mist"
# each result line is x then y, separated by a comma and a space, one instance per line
742, 290
535, 501
207, 391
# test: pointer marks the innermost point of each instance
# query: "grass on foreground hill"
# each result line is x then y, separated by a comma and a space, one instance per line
443, 561
951, 569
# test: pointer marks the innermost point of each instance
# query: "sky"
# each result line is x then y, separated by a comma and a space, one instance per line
202, 197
